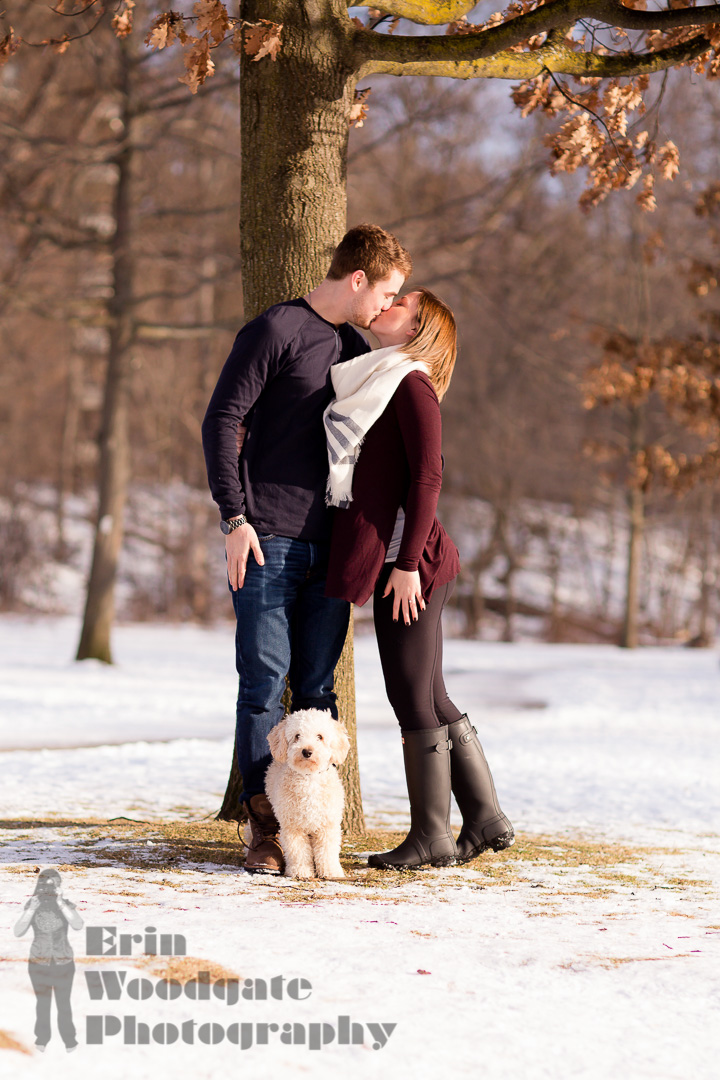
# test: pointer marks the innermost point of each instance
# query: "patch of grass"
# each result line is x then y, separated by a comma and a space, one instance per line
610, 962
8, 1042
570, 865
147, 845
688, 883
183, 968
50, 823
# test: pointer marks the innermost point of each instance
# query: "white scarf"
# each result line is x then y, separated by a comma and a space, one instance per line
363, 388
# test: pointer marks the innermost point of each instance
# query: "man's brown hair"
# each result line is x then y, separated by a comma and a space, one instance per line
371, 249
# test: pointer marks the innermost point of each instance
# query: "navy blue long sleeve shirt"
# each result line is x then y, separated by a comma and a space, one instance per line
276, 381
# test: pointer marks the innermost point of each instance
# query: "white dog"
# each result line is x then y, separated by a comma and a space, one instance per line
306, 793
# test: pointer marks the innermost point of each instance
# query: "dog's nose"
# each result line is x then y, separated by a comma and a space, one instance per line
307, 753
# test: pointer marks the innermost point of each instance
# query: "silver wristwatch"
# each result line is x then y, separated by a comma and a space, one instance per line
235, 523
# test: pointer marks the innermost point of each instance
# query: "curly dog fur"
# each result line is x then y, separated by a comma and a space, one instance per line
306, 792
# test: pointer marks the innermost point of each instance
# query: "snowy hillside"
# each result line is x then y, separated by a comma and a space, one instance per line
172, 565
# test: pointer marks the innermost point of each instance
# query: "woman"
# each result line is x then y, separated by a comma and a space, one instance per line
388, 542
51, 964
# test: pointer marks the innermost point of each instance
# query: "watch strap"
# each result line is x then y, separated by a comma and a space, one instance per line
233, 524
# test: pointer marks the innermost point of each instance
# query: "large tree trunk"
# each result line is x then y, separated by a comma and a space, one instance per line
114, 443
293, 206
294, 128
353, 817
636, 505
68, 447
708, 582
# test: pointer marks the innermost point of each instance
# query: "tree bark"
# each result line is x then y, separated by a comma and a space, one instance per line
294, 131
68, 446
114, 442
708, 584
353, 817
636, 504
294, 115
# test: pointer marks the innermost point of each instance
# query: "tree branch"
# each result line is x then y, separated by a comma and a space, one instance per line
425, 12
559, 59
373, 49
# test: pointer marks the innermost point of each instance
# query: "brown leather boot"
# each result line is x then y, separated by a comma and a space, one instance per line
264, 854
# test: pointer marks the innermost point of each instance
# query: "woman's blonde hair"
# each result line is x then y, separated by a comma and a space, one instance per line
435, 341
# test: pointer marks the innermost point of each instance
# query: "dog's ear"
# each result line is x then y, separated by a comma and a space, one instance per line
340, 745
278, 742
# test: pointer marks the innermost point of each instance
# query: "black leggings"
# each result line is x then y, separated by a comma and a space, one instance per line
46, 980
411, 658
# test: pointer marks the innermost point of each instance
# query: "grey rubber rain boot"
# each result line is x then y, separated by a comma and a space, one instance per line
484, 824
427, 769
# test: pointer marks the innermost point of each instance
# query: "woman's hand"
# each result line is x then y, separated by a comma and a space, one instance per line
407, 594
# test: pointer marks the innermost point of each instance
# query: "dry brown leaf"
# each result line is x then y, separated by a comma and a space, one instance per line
8, 45
122, 22
166, 28
197, 62
262, 39
212, 19
460, 26
358, 110
669, 160
708, 203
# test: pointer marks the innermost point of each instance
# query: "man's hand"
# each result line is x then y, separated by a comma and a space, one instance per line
407, 594
238, 545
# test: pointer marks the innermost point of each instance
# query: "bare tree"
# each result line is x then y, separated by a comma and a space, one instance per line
83, 146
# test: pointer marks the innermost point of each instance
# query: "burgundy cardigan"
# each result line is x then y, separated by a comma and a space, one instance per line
400, 464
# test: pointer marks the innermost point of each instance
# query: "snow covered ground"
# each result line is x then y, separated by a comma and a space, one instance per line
589, 950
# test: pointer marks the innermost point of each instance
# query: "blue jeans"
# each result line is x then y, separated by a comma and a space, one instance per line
285, 626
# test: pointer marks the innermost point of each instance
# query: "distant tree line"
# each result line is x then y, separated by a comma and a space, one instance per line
118, 196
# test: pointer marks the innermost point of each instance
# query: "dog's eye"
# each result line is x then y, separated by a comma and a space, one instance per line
297, 736
320, 738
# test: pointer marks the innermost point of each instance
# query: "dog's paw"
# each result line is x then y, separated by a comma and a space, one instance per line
300, 873
331, 873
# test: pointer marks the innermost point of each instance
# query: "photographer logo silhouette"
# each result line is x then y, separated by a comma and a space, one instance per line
51, 963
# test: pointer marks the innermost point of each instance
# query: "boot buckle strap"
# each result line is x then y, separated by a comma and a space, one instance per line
467, 736
441, 747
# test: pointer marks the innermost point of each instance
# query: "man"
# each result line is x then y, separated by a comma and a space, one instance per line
276, 384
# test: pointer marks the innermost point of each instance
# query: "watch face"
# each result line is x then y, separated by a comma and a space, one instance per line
225, 527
